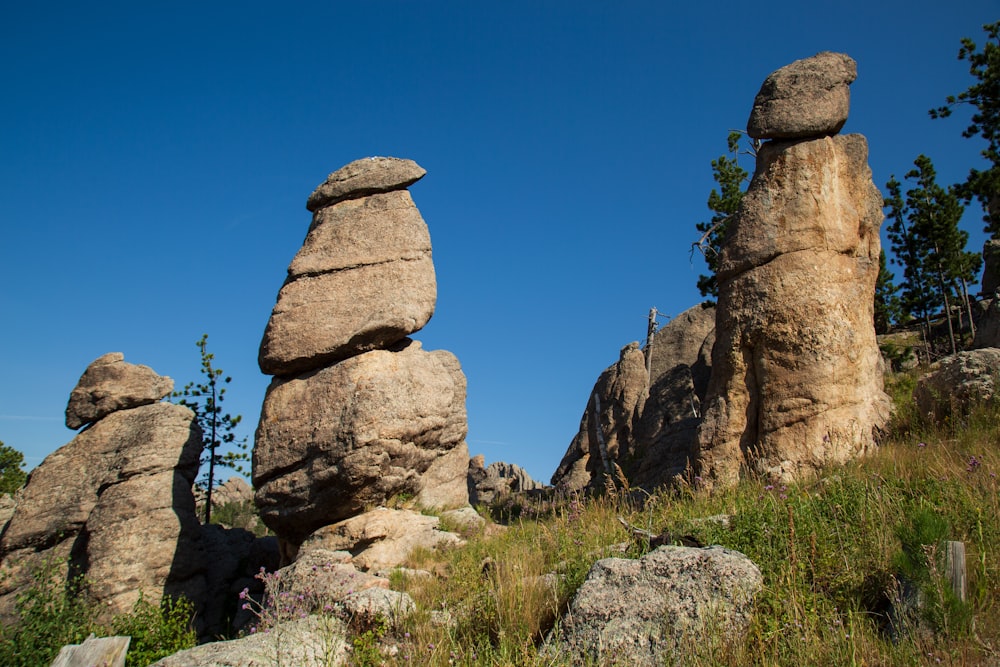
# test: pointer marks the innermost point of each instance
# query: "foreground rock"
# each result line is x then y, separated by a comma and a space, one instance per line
356, 434
955, 383
808, 98
111, 384
314, 641
796, 369
648, 611
115, 505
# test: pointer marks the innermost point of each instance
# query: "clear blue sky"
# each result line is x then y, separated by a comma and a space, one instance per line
155, 160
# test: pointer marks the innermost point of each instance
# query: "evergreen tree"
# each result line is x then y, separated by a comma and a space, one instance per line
218, 427
984, 96
723, 203
927, 241
888, 310
12, 475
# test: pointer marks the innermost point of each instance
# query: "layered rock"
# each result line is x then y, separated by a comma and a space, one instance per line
796, 370
647, 422
115, 503
359, 413
645, 612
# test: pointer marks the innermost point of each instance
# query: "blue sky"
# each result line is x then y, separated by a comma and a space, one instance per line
155, 160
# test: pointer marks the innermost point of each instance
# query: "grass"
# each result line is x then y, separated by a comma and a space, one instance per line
834, 552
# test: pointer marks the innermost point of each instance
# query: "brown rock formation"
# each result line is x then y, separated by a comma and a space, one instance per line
115, 503
110, 384
357, 433
796, 370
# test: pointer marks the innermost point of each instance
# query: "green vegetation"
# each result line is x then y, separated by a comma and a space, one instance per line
835, 552
12, 475
218, 428
52, 613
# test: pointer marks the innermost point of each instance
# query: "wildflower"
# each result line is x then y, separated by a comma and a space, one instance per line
921, 444
406, 635
244, 593
769, 487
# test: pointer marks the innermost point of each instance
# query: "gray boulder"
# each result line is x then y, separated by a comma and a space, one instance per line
111, 384
643, 612
364, 177
349, 436
808, 98
954, 383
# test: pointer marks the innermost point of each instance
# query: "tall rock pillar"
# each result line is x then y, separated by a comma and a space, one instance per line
796, 370
358, 412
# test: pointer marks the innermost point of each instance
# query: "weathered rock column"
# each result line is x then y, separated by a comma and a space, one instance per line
358, 412
796, 371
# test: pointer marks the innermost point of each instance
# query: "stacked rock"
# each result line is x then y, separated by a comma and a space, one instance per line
115, 504
358, 413
796, 371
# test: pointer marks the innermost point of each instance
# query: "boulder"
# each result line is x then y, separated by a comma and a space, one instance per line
987, 324
117, 502
379, 604
955, 383
233, 490
364, 177
382, 538
111, 384
644, 612
808, 98
313, 641
334, 441
796, 369
687, 340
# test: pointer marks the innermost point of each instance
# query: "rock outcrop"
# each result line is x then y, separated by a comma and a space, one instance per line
647, 422
115, 504
955, 383
497, 480
796, 371
358, 413
646, 611
991, 267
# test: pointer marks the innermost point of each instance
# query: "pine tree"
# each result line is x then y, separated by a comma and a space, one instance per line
218, 428
888, 310
984, 96
723, 203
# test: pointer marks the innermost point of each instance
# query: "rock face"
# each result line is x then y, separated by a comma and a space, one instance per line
359, 413
956, 382
643, 612
497, 480
808, 98
111, 384
796, 370
356, 433
116, 503
991, 267
648, 427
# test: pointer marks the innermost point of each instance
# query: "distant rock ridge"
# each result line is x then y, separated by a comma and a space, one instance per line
358, 412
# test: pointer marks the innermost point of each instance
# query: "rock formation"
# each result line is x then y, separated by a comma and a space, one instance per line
647, 422
497, 480
796, 370
647, 611
358, 412
115, 504
955, 383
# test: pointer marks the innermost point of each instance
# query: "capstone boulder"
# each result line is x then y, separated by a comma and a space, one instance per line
110, 384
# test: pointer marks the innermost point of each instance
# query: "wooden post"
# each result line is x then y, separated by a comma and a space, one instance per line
954, 564
650, 334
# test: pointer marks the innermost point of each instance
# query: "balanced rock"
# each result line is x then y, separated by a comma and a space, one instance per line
957, 382
110, 384
116, 501
808, 98
352, 435
363, 280
796, 370
646, 611
365, 177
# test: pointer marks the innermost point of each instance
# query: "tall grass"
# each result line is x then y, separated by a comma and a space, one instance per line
834, 551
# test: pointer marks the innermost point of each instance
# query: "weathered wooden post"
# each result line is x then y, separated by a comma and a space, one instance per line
954, 564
